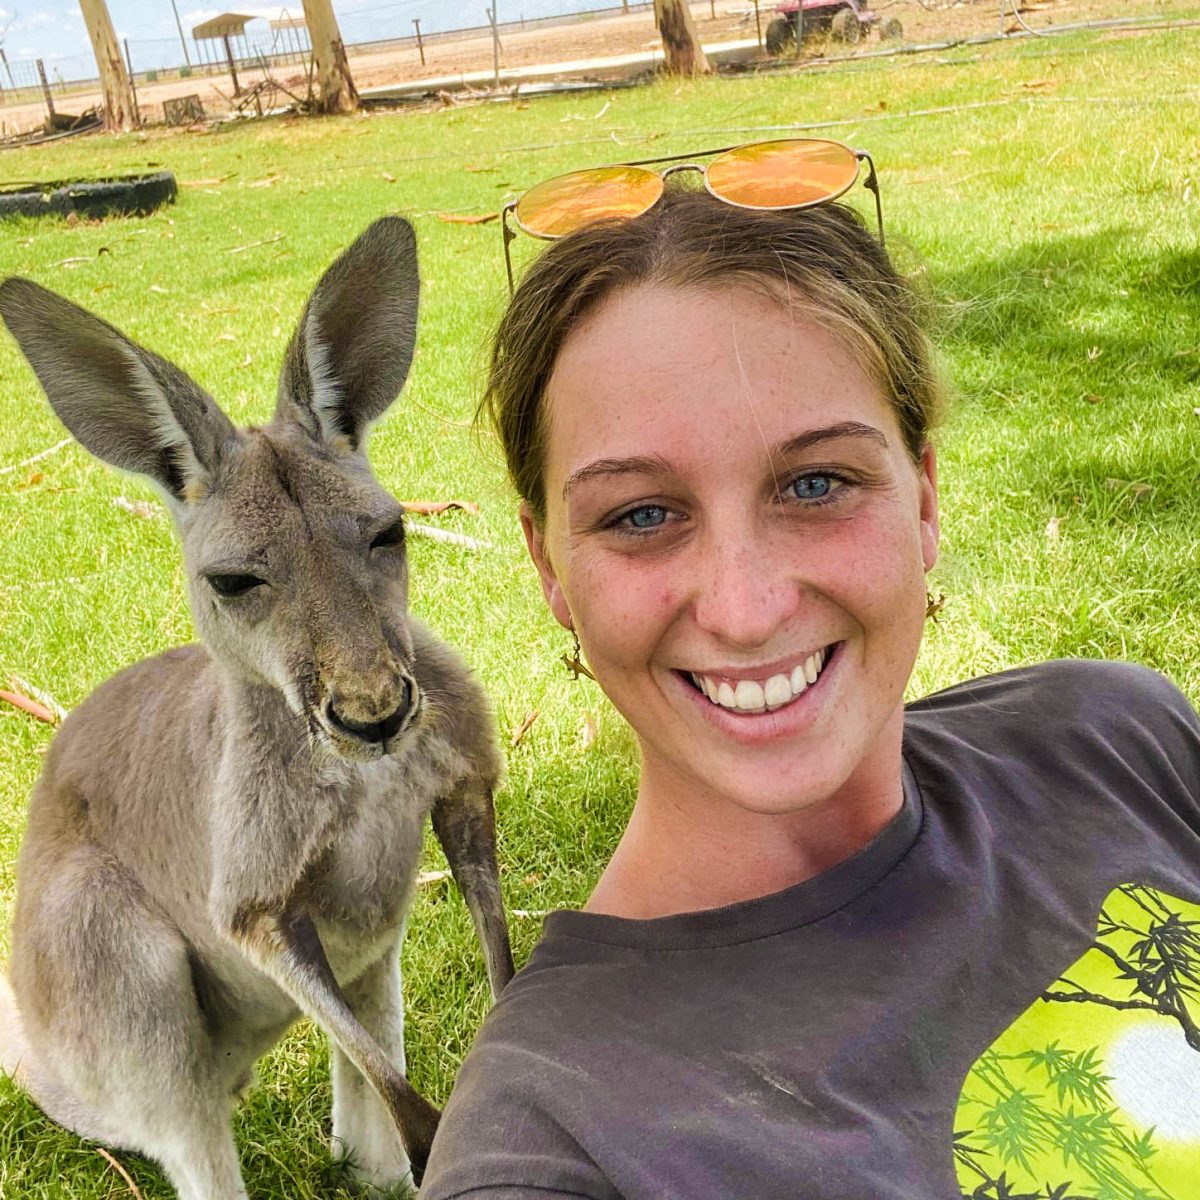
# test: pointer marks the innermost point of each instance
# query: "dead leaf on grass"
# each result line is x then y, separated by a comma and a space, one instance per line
1092, 398
589, 728
1052, 528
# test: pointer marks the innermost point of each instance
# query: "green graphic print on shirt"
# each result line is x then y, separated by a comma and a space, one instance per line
1093, 1093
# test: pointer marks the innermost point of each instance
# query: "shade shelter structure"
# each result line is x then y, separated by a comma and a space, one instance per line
221, 29
289, 34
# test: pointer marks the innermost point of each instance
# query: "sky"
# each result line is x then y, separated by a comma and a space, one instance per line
53, 30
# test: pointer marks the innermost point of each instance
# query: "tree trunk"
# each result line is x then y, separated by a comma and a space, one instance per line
119, 111
335, 89
681, 42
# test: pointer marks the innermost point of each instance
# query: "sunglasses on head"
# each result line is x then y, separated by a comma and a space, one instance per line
786, 174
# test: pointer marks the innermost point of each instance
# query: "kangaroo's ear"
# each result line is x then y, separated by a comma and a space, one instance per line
126, 405
350, 354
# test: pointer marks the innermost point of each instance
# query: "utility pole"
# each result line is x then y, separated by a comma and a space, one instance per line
182, 39
491, 16
119, 109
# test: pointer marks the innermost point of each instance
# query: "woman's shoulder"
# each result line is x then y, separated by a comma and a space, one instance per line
1062, 722
1060, 692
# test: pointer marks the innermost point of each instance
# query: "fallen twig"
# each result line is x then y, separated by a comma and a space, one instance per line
427, 877
36, 693
467, 218
525, 727
138, 508
253, 245
38, 711
36, 458
120, 1170
430, 508
445, 535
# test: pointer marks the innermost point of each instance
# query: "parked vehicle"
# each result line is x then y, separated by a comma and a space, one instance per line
844, 20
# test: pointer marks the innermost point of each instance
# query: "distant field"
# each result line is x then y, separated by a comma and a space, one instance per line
1048, 192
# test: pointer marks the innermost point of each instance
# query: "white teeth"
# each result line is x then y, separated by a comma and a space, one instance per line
750, 696
778, 691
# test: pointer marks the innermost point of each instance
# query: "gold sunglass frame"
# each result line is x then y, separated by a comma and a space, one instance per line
871, 183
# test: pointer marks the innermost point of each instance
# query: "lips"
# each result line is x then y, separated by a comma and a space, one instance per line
748, 694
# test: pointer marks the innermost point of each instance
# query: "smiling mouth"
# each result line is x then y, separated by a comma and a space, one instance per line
762, 695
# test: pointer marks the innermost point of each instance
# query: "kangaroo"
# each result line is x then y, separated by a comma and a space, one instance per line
226, 836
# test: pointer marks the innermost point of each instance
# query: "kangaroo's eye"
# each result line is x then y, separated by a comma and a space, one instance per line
393, 535
234, 585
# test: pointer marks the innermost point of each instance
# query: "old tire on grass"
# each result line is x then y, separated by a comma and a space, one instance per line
845, 27
891, 30
129, 195
781, 33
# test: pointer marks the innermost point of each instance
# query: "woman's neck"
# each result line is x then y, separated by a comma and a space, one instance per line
688, 853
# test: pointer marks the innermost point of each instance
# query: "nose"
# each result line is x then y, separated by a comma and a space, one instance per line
340, 711
744, 593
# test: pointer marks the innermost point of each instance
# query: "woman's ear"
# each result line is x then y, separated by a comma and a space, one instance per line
927, 483
535, 541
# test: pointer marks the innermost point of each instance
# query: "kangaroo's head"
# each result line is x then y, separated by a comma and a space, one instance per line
294, 553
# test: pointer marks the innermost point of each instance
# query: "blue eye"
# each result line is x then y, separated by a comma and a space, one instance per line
813, 487
646, 517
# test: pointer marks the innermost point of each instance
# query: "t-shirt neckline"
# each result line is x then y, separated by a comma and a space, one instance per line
748, 920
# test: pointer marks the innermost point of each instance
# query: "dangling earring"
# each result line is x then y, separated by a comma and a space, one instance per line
934, 606
574, 661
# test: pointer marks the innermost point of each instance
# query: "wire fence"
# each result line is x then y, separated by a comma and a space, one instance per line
364, 30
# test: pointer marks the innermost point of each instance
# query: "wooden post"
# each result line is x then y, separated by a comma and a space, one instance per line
758, 25
119, 108
41, 70
681, 43
336, 92
491, 15
237, 91
420, 44
137, 116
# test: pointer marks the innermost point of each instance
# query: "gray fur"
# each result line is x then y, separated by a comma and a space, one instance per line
226, 836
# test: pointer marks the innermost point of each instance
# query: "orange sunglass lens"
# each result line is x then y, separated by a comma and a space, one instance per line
783, 174
560, 206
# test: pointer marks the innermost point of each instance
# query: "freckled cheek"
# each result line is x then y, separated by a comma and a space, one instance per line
621, 612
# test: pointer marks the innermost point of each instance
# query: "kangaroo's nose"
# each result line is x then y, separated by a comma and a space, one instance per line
336, 709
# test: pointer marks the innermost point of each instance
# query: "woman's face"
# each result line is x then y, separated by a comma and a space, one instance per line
740, 538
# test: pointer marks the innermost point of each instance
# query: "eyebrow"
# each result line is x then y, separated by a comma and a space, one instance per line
655, 464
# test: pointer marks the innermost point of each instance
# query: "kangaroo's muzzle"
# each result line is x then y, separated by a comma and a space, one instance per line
338, 709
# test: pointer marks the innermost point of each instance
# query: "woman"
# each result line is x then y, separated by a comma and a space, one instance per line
826, 908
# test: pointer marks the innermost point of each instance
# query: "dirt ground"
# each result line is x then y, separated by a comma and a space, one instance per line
596, 37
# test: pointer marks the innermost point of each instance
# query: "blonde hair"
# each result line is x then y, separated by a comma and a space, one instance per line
820, 262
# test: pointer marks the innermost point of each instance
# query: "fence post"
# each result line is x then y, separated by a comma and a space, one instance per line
758, 24
491, 15
420, 44
41, 70
137, 116
237, 91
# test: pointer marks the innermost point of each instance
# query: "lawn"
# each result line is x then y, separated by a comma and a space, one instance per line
1048, 192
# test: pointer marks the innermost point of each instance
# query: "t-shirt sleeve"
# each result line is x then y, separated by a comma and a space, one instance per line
499, 1138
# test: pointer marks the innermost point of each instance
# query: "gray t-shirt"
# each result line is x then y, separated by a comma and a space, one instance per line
998, 997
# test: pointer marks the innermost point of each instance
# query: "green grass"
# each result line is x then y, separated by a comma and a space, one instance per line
1055, 215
